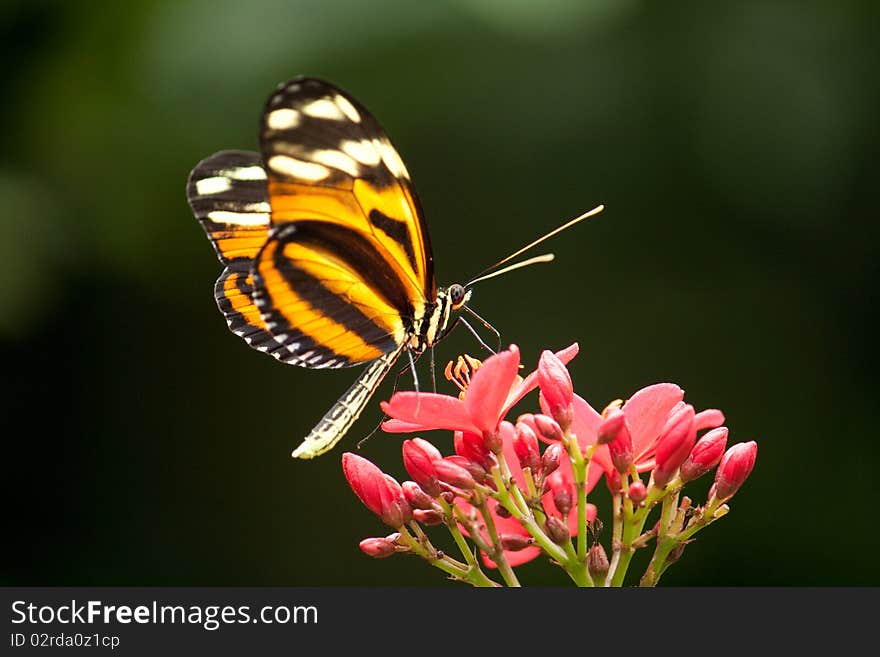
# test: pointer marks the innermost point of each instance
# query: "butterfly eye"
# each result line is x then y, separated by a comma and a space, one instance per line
456, 296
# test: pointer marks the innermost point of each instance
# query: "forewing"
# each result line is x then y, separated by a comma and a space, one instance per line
328, 159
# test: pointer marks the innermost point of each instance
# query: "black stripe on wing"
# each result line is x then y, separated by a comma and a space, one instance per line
352, 252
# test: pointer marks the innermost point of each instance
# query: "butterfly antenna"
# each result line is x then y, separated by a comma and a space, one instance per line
483, 275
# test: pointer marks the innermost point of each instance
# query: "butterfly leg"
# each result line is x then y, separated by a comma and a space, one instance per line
486, 324
477, 336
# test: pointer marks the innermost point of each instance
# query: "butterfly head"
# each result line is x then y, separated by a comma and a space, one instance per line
458, 296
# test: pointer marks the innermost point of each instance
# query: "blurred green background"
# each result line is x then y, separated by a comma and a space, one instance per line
735, 147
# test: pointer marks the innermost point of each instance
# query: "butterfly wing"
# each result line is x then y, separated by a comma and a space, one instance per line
227, 193
347, 265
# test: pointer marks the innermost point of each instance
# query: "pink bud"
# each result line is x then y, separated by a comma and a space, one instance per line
556, 388
378, 491
613, 482
525, 445
548, 429
474, 469
379, 547
637, 492
612, 425
675, 443
428, 517
471, 446
614, 432
418, 459
557, 530
417, 498
597, 561
454, 475
551, 458
705, 455
735, 466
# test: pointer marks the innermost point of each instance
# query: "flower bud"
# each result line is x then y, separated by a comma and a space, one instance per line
417, 498
525, 446
557, 530
705, 455
735, 467
637, 492
612, 424
561, 493
418, 459
453, 474
548, 429
471, 446
614, 432
556, 388
597, 562
378, 491
675, 443
428, 517
474, 469
613, 482
379, 547
447, 496
515, 542
551, 458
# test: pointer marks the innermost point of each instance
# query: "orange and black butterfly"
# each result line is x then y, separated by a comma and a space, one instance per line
327, 255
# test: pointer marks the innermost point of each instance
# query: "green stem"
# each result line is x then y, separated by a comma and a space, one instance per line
452, 526
476, 577
496, 552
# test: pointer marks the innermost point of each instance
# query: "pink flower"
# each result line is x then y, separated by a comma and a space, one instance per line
646, 414
705, 455
494, 389
736, 465
379, 492
510, 527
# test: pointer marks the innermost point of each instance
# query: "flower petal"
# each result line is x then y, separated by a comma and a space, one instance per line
424, 411
489, 388
646, 412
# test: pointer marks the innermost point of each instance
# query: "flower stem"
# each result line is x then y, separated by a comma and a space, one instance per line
476, 577
497, 553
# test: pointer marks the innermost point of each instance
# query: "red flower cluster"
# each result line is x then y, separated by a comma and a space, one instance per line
498, 487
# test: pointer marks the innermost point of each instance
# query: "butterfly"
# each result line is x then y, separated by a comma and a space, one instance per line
327, 257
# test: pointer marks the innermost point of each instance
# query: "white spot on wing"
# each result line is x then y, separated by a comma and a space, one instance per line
239, 218
363, 151
347, 108
213, 185
323, 108
283, 119
391, 158
290, 166
337, 160
244, 173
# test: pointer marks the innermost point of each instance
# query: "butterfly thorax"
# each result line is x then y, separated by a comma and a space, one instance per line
433, 323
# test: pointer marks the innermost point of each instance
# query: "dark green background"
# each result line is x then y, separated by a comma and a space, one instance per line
734, 146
